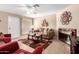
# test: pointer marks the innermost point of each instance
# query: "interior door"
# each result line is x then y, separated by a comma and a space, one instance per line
14, 26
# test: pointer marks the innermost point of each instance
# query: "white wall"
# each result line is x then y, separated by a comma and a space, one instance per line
51, 19
3, 23
74, 9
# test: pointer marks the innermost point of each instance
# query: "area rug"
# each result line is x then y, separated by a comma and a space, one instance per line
33, 44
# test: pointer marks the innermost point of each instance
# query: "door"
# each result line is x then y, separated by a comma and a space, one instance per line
14, 26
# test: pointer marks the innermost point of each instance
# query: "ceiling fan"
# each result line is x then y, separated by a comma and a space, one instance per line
32, 5
31, 8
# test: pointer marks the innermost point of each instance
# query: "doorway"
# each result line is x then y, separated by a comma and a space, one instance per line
14, 26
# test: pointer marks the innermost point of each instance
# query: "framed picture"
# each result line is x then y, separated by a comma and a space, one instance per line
45, 23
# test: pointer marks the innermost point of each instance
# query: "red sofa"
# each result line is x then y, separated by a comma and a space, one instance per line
38, 50
13, 47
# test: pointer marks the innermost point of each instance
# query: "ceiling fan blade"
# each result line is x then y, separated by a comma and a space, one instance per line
28, 6
36, 5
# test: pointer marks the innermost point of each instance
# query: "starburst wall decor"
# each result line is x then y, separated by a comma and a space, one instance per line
66, 17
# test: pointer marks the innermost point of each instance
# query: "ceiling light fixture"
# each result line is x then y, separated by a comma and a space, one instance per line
32, 9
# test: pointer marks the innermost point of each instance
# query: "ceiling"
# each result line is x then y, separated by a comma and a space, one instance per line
21, 9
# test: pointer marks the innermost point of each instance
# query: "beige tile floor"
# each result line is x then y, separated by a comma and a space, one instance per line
57, 47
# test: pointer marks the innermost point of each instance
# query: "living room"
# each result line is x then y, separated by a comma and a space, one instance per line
36, 28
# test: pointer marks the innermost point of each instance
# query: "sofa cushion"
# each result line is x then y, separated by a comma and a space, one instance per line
7, 35
11, 47
7, 39
21, 51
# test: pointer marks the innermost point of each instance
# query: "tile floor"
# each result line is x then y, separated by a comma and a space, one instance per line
57, 47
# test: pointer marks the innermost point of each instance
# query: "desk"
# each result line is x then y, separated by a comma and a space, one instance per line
72, 34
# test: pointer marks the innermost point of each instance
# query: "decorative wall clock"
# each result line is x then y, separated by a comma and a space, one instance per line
66, 17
